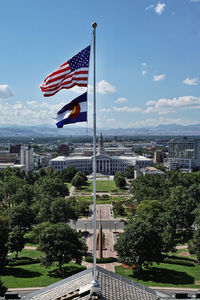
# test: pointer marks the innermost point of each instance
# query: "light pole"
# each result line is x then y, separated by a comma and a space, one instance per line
115, 225
85, 226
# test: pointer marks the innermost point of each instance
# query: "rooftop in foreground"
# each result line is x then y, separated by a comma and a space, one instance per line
113, 287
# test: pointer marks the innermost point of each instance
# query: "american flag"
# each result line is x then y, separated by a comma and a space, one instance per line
72, 72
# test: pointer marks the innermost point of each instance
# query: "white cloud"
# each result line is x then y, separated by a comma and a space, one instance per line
127, 109
159, 8
150, 102
104, 87
144, 72
112, 123
121, 100
105, 110
158, 121
5, 92
144, 64
165, 106
150, 7
79, 89
21, 114
159, 77
191, 81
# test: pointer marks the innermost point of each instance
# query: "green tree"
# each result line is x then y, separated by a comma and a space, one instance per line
61, 210
196, 244
81, 207
10, 186
68, 174
140, 244
117, 174
180, 208
169, 239
22, 216
4, 230
79, 173
52, 186
151, 211
41, 208
23, 194
61, 244
150, 187
120, 182
129, 172
118, 208
78, 181
33, 235
3, 289
16, 240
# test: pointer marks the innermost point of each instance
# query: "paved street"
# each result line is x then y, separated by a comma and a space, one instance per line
87, 224
104, 213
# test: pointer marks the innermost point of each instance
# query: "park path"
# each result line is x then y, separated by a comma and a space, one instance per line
71, 191
182, 247
30, 248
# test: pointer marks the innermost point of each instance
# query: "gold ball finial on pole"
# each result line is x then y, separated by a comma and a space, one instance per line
94, 25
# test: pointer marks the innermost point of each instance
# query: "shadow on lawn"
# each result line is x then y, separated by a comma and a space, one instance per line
19, 273
67, 271
183, 258
160, 275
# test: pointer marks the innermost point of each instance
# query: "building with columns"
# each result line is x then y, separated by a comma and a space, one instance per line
105, 164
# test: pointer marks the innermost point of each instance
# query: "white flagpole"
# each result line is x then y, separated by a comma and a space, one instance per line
94, 25
95, 288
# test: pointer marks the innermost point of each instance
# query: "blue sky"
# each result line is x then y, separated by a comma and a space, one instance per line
148, 60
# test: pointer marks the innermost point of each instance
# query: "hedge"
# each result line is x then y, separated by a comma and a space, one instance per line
23, 261
104, 260
179, 262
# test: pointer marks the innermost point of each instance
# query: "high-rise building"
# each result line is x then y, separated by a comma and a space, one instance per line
159, 156
27, 158
63, 150
15, 148
183, 154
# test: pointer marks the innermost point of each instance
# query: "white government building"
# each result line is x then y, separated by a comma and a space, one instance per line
106, 164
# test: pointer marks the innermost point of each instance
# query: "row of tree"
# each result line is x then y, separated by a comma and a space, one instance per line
35, 206
166, 211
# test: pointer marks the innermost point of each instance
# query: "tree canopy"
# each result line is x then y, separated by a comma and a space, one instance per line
61, 244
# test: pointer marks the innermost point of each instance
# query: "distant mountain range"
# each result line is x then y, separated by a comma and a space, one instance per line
50, 131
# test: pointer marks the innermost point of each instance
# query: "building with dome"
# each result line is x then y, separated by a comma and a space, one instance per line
105, 164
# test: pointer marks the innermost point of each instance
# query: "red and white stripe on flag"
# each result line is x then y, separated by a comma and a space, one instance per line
72, 72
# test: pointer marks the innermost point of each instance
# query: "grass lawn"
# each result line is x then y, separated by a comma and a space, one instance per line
35, 275
185, 253
69, 185
166, 275
32, 245
101, 200
27, 253
105, 186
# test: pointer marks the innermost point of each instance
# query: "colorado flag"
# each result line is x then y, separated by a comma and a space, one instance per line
75, 111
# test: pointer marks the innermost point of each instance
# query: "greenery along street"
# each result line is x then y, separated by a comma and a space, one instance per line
34, 208
180, 269
165, 211
160, 213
